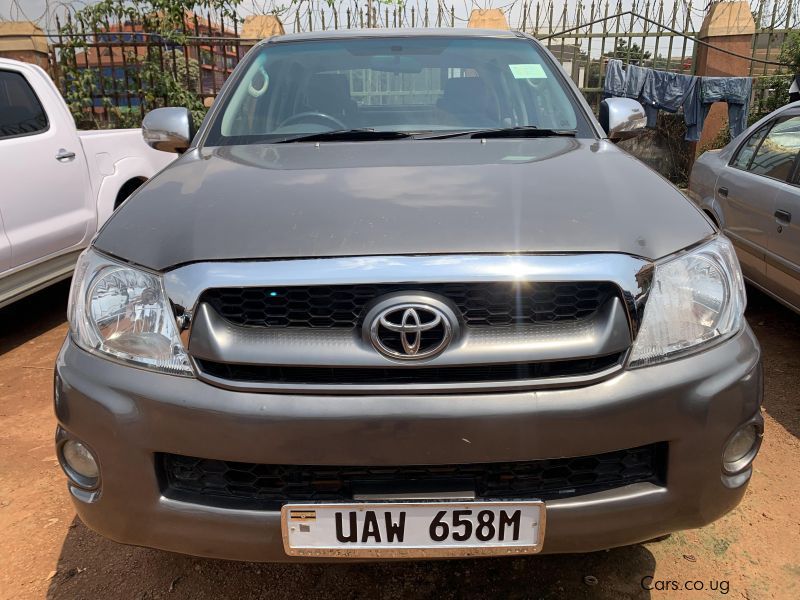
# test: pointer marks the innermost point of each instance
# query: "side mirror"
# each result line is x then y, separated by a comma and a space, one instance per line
622, 118
168, 129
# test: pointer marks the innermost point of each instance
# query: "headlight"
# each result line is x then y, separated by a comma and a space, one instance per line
123, 313
696, 299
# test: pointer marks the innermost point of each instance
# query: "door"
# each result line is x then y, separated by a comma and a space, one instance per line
781, 150
45, 198
747, 207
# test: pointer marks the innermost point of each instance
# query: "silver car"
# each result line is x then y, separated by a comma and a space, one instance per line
751, 190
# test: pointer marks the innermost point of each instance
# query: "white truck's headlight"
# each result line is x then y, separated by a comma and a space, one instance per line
696, 298
123, 312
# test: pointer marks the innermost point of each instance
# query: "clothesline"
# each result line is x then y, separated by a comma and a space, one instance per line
663, 90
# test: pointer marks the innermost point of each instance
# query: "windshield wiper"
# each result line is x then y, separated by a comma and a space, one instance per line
346, 135
523, 131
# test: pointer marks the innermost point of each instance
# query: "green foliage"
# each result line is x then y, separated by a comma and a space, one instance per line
166, 17
629, 53
158, 77
80, 86
168, 88
722, 139
671, 128
790, 51
771, 92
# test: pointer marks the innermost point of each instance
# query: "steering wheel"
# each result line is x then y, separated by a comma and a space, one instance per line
313, 117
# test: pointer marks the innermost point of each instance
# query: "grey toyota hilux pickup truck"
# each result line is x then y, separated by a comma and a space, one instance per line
402, 296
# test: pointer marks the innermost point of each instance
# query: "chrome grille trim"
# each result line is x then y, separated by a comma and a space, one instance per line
632, 275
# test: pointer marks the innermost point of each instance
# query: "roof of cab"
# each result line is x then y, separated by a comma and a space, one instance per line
398, 32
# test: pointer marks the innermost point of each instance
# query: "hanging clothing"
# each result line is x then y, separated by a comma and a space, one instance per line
736, 91
661, 90
635, 79
625, 82
614, 84
670, 92
656, 90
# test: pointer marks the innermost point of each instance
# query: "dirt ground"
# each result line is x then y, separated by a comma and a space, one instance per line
46, 552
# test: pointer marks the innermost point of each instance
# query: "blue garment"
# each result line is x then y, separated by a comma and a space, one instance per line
614, 84
660, 90
626, 82
694, 120
735, 91
670, 92
635, 80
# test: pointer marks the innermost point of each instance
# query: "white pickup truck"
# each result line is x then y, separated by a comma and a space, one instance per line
57, 184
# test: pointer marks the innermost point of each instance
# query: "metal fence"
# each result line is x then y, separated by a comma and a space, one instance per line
119, 63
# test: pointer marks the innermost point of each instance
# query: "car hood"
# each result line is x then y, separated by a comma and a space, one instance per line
545, 195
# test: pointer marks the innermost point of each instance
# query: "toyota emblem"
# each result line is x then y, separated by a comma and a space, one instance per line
410, 331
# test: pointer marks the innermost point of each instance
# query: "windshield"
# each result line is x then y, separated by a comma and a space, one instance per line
402, 84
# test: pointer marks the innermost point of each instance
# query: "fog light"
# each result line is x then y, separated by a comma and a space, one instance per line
741, 448
80, 463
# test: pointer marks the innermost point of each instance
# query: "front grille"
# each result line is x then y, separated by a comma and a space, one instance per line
406, 374
492, 304
268, 487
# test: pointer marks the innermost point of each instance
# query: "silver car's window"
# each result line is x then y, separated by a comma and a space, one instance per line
407, 84
776, 155
748, 149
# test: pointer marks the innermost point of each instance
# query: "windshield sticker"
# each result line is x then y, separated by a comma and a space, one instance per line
528, 71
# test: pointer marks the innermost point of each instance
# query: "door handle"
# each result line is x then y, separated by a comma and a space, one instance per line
723, 191
783, 217
64, 155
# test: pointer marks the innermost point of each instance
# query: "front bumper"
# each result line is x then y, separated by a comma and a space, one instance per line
127, 415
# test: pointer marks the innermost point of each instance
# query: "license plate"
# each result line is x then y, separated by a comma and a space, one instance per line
413, 529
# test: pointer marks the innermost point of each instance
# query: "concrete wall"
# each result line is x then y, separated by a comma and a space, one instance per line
728, 25
22, 40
